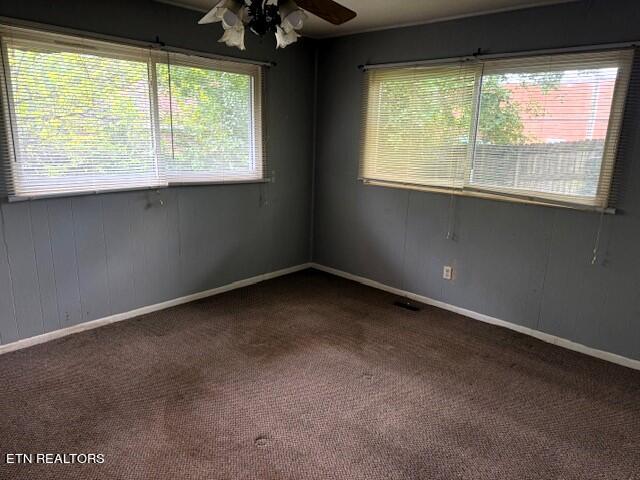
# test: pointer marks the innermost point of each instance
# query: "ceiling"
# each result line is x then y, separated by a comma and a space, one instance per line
380, 14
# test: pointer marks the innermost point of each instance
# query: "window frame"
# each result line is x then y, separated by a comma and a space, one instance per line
152, 56
606, 174
47, 41
256, 74
374, 86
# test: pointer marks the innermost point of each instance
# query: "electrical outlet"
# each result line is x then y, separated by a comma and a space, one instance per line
447, 271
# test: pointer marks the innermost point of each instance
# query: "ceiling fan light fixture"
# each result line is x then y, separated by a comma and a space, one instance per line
224, 11
284, 38
230, 19
234, 37
282, 17
292, 16
233, 12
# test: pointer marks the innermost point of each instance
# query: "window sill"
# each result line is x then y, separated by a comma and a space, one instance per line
490, 196
25, 198
214, 182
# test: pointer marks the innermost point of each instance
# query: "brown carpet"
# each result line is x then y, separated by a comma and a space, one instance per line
315, 377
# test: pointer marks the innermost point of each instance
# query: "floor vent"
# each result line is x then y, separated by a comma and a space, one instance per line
406, 305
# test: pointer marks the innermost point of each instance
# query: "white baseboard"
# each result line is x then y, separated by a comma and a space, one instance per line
81, 327
545, 337
562, 342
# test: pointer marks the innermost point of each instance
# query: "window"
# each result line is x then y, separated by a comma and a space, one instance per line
419, 125
213, 124
540, 129
90, 116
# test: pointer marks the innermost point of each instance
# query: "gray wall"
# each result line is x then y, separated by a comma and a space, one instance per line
71, 260
524, 264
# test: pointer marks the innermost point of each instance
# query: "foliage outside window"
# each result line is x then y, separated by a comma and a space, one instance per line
89, 116
539, 129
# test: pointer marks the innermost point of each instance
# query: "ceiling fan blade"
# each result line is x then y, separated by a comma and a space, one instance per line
328, 10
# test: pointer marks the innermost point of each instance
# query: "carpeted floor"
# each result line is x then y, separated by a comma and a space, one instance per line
314, 377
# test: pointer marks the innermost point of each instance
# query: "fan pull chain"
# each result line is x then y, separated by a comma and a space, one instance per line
596, 246
404, 244
451, 220
173, 150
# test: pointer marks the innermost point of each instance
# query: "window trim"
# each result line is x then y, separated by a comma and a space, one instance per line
614, 128
258, 136
115, 47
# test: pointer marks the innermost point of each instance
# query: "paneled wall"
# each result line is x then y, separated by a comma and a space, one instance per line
70, 260
523, 264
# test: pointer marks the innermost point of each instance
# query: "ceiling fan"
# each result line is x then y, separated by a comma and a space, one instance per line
284, 18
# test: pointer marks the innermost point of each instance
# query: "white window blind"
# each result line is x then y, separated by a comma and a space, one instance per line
541, 129
89, 116
213, 126
80, 115
418, 124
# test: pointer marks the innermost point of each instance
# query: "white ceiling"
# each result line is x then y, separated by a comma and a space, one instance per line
380, 14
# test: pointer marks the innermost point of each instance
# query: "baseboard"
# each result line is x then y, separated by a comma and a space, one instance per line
545, 337
81, 327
